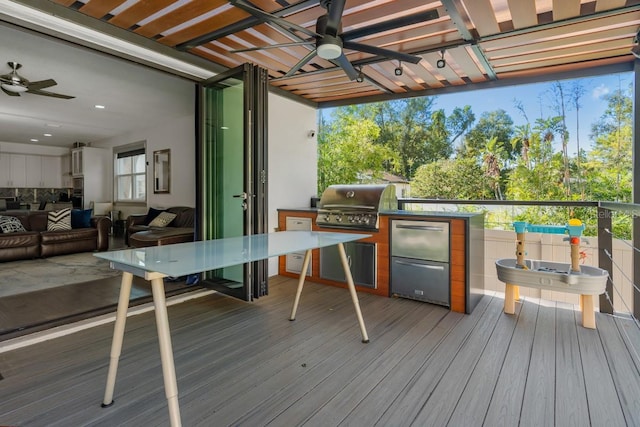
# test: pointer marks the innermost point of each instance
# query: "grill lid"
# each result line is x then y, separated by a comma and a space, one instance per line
355, 206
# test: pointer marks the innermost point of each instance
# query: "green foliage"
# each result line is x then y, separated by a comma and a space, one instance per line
460, 178
495, 159
347, 153
493, 124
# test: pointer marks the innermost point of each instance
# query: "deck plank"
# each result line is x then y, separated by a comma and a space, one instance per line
408, 403
571, 396
437, 411
538, 403
624, 372
243, 363
506, 402
474, 402
604, 405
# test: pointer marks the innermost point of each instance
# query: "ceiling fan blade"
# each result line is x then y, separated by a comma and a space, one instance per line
42, 84
336, 7
267, 17
10, 93
51, 94
301, 63
391, 54
347, 67
251, 49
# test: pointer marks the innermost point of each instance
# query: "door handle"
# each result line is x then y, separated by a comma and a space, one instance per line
242, 196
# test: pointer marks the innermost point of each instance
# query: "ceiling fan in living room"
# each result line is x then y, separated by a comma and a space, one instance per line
13, 84
329, 39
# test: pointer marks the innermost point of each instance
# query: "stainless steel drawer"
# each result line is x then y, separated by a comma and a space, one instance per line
426, 240
421, 280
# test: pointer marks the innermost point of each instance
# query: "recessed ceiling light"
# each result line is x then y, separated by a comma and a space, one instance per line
33, 140
52, 125
100, 107
47, 134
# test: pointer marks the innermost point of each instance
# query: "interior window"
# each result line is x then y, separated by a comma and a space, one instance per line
130, 176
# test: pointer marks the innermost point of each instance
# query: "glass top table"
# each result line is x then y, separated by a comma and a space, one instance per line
188, 258
155, 263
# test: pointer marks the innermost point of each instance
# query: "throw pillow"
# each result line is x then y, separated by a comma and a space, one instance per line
163, 219
81, 218
10, 224
59, 220
151, 215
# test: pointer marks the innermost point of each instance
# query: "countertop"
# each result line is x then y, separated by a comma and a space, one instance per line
416, 214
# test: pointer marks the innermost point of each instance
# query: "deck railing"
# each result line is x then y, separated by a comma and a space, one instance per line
626, 273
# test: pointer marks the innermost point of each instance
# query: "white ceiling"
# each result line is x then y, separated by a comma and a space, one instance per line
135, 97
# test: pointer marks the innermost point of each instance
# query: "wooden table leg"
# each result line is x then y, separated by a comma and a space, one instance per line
352, 291
118, 336
303, 273
166, 352
509, 298
588, 312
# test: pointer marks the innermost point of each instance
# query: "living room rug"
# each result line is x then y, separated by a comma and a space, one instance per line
38, 274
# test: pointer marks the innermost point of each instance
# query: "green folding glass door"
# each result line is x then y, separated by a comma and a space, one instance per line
232, 171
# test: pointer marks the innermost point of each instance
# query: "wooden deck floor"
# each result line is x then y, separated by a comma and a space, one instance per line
246, 365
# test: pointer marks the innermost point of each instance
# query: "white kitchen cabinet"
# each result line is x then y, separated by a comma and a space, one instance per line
77, 161
5, 170
13, 171
295, 260
43, 171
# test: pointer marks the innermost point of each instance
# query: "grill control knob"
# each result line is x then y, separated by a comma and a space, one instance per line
338, 219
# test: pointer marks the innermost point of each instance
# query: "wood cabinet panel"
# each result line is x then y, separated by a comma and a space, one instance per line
459, 251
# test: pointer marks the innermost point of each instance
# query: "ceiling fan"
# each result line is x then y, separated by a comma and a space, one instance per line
13, 84
328, 38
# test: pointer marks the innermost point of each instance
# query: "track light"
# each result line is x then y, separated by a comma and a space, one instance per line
441, 63
360, 77
398, 71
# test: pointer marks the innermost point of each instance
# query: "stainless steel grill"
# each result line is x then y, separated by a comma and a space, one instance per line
355, 206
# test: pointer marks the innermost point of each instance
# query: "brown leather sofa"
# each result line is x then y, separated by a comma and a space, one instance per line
139, 234
37, 242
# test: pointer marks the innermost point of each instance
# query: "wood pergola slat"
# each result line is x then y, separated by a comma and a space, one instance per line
603, 5
99, 8
563, 60
467, 65
575, 52
204, 27
138, 11
179, 16
616, 33
523, 13
559, 32
483, 17
565, 9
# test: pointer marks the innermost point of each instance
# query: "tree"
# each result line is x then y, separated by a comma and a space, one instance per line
493, 124
460, 178
459, 122
609, 162
346, 150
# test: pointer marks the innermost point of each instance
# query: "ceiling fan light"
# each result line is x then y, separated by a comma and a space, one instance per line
329, 51
14, 88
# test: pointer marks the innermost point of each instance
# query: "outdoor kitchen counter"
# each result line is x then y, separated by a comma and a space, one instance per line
466, 252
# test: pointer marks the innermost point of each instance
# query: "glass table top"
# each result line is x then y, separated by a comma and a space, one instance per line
187, 258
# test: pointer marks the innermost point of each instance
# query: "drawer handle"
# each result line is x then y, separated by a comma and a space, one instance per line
421, 227
428, 267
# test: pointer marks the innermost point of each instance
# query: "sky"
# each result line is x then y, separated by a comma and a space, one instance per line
535, 98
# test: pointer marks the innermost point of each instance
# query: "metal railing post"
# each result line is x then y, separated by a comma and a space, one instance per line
605, 244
